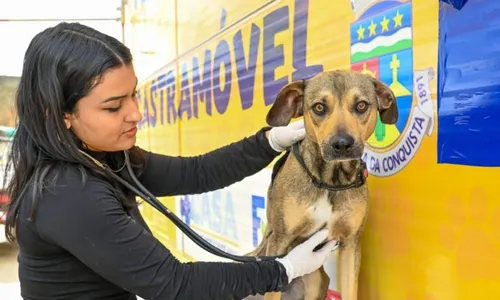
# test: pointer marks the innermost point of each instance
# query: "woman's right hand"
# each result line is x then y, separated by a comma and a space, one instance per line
303, 260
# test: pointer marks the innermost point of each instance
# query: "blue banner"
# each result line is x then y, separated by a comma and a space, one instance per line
469, 84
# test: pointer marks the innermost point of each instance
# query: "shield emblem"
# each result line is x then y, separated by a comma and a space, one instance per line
381, 46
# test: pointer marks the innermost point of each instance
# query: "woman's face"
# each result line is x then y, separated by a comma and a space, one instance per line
106, 119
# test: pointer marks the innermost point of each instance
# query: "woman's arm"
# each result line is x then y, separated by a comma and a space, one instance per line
169, 175
92, 225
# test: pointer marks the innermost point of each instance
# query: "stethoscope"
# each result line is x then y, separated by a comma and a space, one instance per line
146, 195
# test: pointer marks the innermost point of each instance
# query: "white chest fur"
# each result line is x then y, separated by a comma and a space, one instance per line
321, 213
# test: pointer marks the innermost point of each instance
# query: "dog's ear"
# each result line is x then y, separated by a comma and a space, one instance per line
386, 101
288, 104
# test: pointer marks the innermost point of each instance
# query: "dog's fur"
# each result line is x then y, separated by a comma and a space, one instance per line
296, 208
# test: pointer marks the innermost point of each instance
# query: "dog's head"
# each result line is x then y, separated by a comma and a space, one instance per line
339, 109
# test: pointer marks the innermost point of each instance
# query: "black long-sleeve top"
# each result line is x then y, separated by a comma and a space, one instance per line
83, 243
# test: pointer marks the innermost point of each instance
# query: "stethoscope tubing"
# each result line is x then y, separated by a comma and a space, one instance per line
147, 196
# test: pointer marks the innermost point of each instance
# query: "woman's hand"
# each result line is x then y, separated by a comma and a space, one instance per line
283, 137
303, 260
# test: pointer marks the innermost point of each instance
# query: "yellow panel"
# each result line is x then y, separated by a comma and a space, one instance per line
154, 31
157, 96
200, 20
152, 35
432, 228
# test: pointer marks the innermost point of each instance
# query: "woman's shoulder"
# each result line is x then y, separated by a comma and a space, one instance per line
70, 197
66, 188
74, 179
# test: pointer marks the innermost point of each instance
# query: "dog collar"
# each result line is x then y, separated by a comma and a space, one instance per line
361, 176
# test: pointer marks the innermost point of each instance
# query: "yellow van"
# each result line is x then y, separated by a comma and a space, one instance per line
210, 70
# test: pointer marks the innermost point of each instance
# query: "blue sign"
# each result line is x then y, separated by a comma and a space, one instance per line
214, 212
258, 208
469, 84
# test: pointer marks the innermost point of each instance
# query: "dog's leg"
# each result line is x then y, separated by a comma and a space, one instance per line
350, 258
277, 244
316, 285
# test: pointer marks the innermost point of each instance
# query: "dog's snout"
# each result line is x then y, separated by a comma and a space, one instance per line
342, 143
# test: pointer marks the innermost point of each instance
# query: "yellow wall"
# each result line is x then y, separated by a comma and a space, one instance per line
431, 231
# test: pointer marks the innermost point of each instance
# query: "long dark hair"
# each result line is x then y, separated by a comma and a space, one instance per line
61, 65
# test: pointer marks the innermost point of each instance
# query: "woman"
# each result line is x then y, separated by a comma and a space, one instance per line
80, 233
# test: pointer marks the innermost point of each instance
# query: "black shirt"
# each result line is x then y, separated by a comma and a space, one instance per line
83, 244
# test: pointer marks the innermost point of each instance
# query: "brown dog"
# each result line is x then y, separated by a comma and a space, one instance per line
322, 183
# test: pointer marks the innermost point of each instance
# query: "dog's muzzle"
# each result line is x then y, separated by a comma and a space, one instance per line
342, 147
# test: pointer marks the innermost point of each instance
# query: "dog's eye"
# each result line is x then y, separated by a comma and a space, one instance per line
319, 108
361, 106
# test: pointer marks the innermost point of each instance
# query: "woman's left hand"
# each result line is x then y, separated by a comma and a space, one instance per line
283, 137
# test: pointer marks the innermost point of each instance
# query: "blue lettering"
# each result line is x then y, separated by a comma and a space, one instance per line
162, 82
202, 88
246, 74
146, 96
374, 164
211, 83
273, 56
152, 98
185, 105
300, 20
143, 102
419, 124
413, 139
210, 212
258, 203
223, 18
171, 110
222, 94
186, 209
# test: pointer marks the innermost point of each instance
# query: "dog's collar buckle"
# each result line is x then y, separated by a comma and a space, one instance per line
363, 173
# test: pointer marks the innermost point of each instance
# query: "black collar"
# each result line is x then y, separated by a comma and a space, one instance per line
360, 177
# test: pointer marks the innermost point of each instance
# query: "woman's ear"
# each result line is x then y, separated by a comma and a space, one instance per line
67, 121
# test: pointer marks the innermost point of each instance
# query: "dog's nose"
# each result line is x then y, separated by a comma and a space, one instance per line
342, 143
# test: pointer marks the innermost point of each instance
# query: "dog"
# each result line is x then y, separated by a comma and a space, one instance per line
320, 182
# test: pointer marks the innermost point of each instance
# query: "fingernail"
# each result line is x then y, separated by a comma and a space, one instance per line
335, 246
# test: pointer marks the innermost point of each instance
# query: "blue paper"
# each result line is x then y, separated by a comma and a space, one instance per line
469, 84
